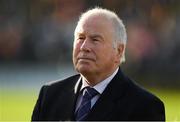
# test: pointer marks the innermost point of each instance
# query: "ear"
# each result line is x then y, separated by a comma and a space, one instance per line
119, 51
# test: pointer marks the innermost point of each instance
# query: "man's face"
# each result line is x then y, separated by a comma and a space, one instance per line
93, 51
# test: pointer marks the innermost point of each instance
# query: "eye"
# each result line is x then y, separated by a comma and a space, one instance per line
95, 40
81, 38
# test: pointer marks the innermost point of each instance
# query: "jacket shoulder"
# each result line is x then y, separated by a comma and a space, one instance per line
68, 80
51, 95
145, 102
137, 92
142, 104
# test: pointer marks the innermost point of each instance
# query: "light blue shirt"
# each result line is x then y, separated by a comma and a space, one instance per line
100, 87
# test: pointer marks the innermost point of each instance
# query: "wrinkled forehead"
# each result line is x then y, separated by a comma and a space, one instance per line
94, 23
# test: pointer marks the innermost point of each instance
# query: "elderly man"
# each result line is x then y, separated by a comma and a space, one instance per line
100, 91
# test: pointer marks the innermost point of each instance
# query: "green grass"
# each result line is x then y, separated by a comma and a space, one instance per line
171, 99
18, 105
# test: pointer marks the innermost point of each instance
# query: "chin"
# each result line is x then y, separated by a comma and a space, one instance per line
83, 69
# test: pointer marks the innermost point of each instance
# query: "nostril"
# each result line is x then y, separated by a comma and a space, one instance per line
85, 46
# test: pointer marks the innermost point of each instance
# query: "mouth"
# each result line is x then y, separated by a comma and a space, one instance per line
85, 58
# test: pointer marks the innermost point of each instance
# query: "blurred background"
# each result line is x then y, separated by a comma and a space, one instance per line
36, 38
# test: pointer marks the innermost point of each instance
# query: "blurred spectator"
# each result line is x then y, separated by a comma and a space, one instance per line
42, 30
143, 44
10, 41
54, 33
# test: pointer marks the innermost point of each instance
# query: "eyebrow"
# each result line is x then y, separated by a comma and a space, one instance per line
96, 36
91, 35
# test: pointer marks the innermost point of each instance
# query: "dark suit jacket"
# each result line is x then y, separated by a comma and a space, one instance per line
121, 100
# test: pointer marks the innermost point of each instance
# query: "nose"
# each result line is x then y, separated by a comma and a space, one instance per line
85, 46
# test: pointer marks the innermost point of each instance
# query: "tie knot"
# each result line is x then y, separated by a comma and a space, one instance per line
89, 93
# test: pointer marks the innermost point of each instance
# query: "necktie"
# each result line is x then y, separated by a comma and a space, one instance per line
85, 106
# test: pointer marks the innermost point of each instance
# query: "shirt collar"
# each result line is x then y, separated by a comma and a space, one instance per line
100, 87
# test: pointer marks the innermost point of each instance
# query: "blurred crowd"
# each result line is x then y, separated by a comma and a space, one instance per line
42, 31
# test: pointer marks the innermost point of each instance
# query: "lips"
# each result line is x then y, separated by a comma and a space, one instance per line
85, 58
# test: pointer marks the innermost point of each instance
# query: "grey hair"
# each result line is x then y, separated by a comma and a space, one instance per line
119, 28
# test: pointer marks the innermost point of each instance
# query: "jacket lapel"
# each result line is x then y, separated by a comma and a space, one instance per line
76, 92
108, 100
67, 101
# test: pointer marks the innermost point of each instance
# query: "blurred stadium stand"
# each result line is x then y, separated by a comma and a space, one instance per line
36, 38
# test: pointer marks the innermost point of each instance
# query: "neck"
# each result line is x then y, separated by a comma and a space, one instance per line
93, 79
